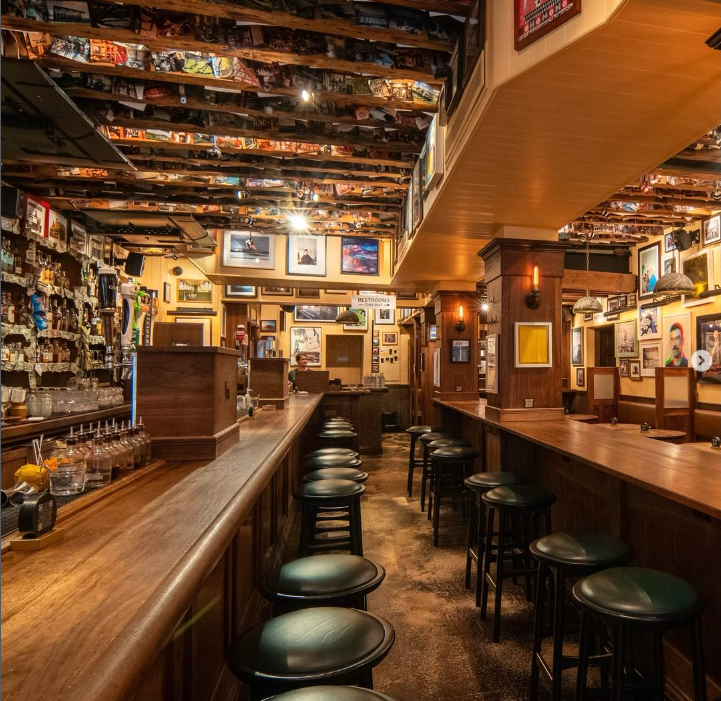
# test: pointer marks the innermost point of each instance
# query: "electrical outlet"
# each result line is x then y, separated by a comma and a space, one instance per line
528, 403
459, 388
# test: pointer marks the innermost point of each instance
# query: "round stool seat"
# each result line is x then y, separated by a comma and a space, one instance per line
321, 578
337, 433
331, 693
491, 480
310, 645
580, 549
639, 594
333, 461
458, 452
337, 419
521, 495
419, 430
337, 473
332, 451
447, 443
328, 489
433, 436
337, 424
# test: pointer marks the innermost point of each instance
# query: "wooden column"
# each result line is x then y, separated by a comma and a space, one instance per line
524, 393
458, 380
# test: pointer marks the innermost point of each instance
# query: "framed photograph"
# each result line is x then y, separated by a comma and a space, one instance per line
206, 323
359, 256
698, 267
649, 263
632, 301
433, 332
375, 367
417, 194
36, 216
96, 246
677, 340
577, 345
534, 20
336, 292
669, 264
306, 255
580, 377
306, 339
194, 290
668, 243
247, 291
277, 291
634, 370
57, 227
626, 339
390, 338
241, 249
650, 358
533, 344
708, 338
317, 313
268, 326
166, 292
375, 351
385, 317
460, 350
307, 293
649, 323
406, 295
376, 333
78, 238
711, 231
376, 342
434, 154
492, 349
362, 314
623, 367
614, 303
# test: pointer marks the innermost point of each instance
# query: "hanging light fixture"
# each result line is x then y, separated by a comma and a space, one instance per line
347, 317
672, 284
587, 304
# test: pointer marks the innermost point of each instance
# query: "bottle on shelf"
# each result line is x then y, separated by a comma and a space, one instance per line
99, 469
13, 353
124, 450
47, 354
64, 316
125, 439
137, 446
21, 353
71, 472
31, 254
5, 352
146, 439
114, 449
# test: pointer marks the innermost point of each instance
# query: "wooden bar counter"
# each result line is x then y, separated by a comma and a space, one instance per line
663, 500
143, 594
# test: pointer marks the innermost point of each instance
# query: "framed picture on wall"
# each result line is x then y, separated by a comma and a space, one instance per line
315, 312
677, 340
650, 358
268, 325
359, 255
166, 292
194, 291
460, 350
634, 367
362, 315
649, 264
533, 20
492, 348
308, 340
580, 377
708, 338
668, 243
277, 291
243, 249
306, 255
669, 264
533, 344
698, 267
307, 293
649, 323
473, 38
711, 231
626, 339
390, 338
577, 345
623, 367
385, 317
247, 291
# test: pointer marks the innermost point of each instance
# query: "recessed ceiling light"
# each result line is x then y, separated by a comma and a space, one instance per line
297, 222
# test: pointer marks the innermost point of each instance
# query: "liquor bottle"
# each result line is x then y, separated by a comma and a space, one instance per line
57, 316
17, 261
146, 440
5, 255
125, 451
64, 323
137, 446
11, 309
99, 469
31, 254
5, 352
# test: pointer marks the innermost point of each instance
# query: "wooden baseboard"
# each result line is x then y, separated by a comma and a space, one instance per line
172, 448
541, 414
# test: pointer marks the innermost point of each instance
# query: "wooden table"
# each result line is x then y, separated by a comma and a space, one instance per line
704, 447
659, 434
583, 418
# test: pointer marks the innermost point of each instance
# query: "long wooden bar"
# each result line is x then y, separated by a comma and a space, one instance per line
663, 500
145, 591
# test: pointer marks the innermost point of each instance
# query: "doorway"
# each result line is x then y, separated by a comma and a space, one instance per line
605, 347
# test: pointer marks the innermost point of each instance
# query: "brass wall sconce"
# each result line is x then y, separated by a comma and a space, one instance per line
461, 322
533, 298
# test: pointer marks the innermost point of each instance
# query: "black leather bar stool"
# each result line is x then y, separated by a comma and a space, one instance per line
330, 501
338, 438
478, 485
321, 461
337, 473
519, 507
312, 646
332, 451
424, 440
563, 556
414, 432
632, 600
450, 467
322, 580
332, 693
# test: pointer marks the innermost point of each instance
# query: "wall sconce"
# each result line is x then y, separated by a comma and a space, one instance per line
461, 322
533, 298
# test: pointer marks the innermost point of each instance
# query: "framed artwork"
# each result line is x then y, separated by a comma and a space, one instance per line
307, 293
577, 345
533, 344
623, 367
649, 262
36, 216
241, 249
248, 291
96, 247
409, 210
669, 264
406, 295
437, 367
359, 256
433, 332
711, 231
57, 226
533, 20
306, 255
206, 323
375, 351
434, 154
626, 339
492, 348
318, 313
376, 342
306, 339
268, 326
376, 333
698, 267
194, 291
580, 377
375, 367
473, 38
634, 367
649, 323
362, 314
78, 238
336, 292
668, 243
385, 317
390, 338
453, 87
650, 358
614, 303
417, 194
277, 291
632, 301
677, 340
166, 292
460, 350
708, 338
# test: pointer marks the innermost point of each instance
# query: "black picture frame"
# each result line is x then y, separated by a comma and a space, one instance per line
643, 258
167, 291
705, 325
460, 350
359, 240
236, 294
580, 377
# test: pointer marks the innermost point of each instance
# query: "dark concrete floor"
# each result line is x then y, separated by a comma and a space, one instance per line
443, 649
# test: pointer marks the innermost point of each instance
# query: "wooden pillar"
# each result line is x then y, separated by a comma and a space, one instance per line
525, 392
456, 346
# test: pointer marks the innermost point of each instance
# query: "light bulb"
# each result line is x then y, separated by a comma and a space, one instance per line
297, 222
305, 95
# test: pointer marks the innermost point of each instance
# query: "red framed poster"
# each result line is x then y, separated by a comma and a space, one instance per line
535, 18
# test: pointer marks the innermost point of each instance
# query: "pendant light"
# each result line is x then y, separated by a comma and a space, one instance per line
347, 317
587, 304
672, 284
